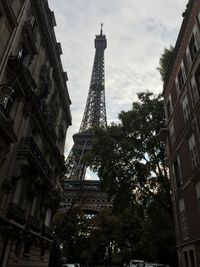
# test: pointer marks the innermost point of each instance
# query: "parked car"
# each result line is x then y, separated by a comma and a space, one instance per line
141, 263
137, 263
70, 265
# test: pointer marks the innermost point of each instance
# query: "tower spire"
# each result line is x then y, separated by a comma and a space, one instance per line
101, 31
94, 114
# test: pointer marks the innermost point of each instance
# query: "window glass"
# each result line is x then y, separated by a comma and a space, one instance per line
186, 108
192, 260
183, 219
177, 172
189, 60
180, 79
172, 132
198, 193
194, 90
169, 107
194, 43
193, 47
193, 151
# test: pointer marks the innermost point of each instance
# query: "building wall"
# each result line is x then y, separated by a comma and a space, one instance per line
34, 117
182, 105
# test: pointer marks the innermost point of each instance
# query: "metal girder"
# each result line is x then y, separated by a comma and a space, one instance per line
94, 114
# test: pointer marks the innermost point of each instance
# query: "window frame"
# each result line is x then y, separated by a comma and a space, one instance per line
172, 132
185, 108
177, 176
197, 190
183, 219
194, 90
193, 151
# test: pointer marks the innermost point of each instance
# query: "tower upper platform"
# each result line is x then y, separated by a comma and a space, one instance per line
100, 40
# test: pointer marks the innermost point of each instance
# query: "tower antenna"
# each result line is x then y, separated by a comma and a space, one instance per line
101, 29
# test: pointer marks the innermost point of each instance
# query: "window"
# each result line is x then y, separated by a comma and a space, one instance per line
198, 193
183, 219
193, 151
186, 108
177, 86
177, 173
192, 48
32, 21
198, 17
48, 218
180, 79
189, 60
33, 24
169, 107
6, 99
194, 90
34, 204
181, 76
24, 56
197, 76
185, 64
194, 43
2, 21
186, 259
172, 132
189, 257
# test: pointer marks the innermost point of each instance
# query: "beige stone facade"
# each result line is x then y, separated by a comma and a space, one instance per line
34, 117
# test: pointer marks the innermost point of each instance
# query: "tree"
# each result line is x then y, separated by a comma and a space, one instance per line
131, 164
164, 62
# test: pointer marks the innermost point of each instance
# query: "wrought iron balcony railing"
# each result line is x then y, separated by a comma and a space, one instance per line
16, 213
33, 224
30, 150
47, 232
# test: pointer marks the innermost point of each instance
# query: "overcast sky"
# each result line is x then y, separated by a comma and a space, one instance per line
136, 31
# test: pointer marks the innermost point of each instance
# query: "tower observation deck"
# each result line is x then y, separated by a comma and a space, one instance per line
75, 185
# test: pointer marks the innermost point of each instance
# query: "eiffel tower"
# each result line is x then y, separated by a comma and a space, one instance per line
77, 190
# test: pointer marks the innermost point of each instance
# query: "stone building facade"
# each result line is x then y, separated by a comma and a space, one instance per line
34, 117
182, 105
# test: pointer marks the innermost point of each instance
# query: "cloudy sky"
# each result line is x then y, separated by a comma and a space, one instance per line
136, 31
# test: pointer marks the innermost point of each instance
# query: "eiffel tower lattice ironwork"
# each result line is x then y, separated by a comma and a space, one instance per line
76, 188
94, 114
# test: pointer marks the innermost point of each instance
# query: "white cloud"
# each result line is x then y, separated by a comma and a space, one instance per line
137, 32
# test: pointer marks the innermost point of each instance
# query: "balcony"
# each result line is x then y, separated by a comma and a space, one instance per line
47, 232
33, 224
30, 151
6, 125
58, 188
16, 213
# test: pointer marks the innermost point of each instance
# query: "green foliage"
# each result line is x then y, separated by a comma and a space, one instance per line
131, 164
164, 62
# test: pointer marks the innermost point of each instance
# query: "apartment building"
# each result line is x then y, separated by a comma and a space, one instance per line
182, 105
34, 117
